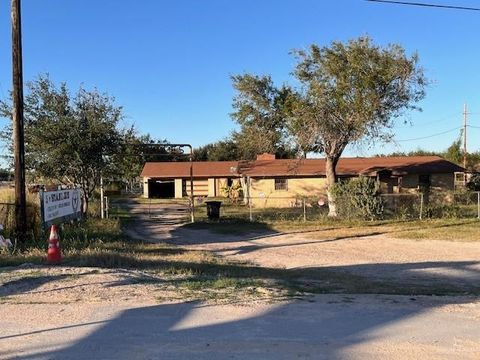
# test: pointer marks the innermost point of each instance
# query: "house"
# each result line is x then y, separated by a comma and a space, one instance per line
172, 179
281, 181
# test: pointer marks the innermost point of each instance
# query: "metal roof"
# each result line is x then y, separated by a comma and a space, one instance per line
301, 167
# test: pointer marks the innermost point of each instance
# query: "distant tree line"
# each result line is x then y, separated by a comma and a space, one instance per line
453, 153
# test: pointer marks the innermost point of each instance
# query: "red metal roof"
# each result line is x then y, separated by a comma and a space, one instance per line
302, 167
182, 169
350, 166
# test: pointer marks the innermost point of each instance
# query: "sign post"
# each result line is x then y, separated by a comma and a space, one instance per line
60, 206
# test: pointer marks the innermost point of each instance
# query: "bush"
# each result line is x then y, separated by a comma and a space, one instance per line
474, 183
442, 211
358, 198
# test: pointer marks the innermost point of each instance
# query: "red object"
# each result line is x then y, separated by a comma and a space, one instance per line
54, 254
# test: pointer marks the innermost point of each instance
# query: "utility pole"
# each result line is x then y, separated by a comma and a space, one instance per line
465, 114
18, 128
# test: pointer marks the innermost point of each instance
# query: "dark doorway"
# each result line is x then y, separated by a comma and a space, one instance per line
161, 189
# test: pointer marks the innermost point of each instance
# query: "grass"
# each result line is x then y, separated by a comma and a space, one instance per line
464, 230
235, 220
199, 275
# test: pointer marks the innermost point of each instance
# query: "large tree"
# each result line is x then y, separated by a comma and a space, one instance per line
352, 92
72, 139
347, 93
259, 109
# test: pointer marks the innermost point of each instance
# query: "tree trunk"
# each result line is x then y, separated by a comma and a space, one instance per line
85, 204
331, 175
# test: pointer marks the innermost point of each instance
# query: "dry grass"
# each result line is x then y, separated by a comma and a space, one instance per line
7, 212
452, 230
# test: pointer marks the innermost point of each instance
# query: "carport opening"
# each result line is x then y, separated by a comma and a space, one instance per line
161, 189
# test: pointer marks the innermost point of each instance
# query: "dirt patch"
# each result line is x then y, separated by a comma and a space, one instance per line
381, 257
35, 284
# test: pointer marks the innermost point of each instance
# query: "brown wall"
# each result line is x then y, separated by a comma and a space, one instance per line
263, 191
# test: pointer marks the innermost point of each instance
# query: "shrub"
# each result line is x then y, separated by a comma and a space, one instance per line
358, 198
474, 183
233, 192
447, 211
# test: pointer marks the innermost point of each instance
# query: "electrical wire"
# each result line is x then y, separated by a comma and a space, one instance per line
430, 136
451, 7
443, 119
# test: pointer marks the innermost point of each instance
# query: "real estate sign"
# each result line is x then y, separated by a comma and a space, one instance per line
59, 206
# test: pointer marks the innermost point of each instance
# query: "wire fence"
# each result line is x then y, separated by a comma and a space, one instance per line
405, 206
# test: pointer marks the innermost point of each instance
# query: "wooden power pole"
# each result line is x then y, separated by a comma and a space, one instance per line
465, 114
18, 127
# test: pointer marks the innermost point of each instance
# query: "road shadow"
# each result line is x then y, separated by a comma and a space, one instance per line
325, 328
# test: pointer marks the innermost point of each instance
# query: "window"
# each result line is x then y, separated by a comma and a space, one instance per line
281, 184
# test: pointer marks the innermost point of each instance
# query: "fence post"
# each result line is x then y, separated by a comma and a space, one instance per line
250, 208
304, 211
421, 205
106, 207
478, 205
102, 199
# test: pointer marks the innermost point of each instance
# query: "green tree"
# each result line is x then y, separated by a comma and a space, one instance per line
352, 92
223, 150
260, 111
348, 93
72, 139
454, 152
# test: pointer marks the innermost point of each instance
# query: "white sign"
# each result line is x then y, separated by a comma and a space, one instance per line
61, 204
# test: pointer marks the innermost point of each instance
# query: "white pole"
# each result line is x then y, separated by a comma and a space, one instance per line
304, 211
249, 199
421, 205
250, 208
106, 207
478, 205
102, 205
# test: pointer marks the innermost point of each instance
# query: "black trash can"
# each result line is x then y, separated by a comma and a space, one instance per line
213, 209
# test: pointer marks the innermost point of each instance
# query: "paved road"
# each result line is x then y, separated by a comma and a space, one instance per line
323, 327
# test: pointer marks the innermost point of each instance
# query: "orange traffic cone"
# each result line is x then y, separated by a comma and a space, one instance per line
54, 254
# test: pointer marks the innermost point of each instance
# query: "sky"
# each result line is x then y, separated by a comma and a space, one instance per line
169, 63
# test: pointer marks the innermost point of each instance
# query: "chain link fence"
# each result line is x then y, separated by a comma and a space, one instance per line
405, 206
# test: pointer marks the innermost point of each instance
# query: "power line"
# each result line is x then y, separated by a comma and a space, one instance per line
430, 136
451, 7
443, 119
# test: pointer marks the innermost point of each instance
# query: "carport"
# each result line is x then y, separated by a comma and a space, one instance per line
161, 188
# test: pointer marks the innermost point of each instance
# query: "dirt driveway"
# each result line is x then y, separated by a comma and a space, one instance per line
114, 314
375, 255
